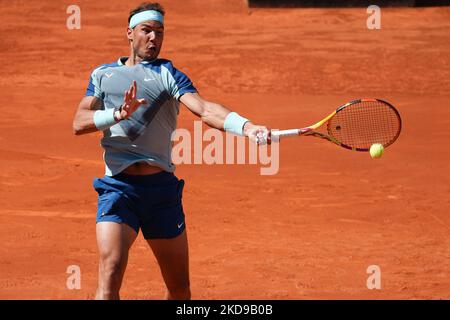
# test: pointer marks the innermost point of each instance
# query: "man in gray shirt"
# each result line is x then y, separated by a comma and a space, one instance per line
135, 102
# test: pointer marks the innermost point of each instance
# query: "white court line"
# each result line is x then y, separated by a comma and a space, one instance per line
35, 213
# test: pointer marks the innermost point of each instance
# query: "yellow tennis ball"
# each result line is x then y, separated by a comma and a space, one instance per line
376, 150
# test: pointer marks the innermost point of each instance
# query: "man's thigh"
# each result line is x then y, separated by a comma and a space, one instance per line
173, 259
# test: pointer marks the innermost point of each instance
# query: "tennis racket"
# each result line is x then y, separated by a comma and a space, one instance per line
354, 126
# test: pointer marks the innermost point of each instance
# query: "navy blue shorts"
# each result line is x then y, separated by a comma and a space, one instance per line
150, 202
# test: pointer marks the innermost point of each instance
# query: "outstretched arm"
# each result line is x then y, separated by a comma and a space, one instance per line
219, 117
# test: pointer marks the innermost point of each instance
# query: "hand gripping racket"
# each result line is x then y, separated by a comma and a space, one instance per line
354, 126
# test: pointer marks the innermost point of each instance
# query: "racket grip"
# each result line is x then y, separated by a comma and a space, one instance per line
275, 135
286, 133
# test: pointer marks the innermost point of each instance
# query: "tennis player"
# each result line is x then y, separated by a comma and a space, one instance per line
135, 102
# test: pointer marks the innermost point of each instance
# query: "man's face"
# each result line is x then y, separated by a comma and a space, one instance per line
146, 39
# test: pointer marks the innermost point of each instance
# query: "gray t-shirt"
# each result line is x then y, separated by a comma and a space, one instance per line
146, 135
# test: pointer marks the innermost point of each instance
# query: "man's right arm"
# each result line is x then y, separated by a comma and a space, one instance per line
83, 121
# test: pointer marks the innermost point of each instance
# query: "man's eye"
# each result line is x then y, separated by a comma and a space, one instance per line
158, 32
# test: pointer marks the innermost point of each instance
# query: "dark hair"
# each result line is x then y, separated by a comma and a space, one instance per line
146, 6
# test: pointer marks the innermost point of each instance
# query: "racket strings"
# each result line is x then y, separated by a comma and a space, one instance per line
364, 123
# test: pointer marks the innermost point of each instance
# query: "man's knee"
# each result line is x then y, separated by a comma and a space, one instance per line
112, 269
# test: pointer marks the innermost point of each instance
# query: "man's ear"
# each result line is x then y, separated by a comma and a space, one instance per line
130, 34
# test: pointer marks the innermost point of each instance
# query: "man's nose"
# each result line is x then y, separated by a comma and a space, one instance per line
152, 35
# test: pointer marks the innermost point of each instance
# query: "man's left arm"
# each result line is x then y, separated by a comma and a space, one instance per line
219, 117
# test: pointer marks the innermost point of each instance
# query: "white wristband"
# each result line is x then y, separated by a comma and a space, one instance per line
234, 123
103, 119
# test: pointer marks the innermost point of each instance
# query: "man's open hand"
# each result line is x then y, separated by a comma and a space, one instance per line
130, 103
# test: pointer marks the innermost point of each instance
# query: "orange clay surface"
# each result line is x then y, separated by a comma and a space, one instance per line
310, 231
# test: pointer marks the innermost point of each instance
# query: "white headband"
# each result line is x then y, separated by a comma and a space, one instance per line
146, 16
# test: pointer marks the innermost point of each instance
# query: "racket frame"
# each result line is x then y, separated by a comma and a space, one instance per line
275, 135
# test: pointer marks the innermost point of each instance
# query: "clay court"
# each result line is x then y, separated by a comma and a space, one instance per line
308, 232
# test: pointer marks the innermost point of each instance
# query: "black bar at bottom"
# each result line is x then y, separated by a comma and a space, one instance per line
228, 309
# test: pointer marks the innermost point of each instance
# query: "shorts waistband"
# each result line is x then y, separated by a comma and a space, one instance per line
146, 180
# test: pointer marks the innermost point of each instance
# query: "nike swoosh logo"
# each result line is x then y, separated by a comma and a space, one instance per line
109, 75
180, 225
149, 79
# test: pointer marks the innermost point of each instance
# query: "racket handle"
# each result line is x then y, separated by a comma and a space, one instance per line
275, 135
